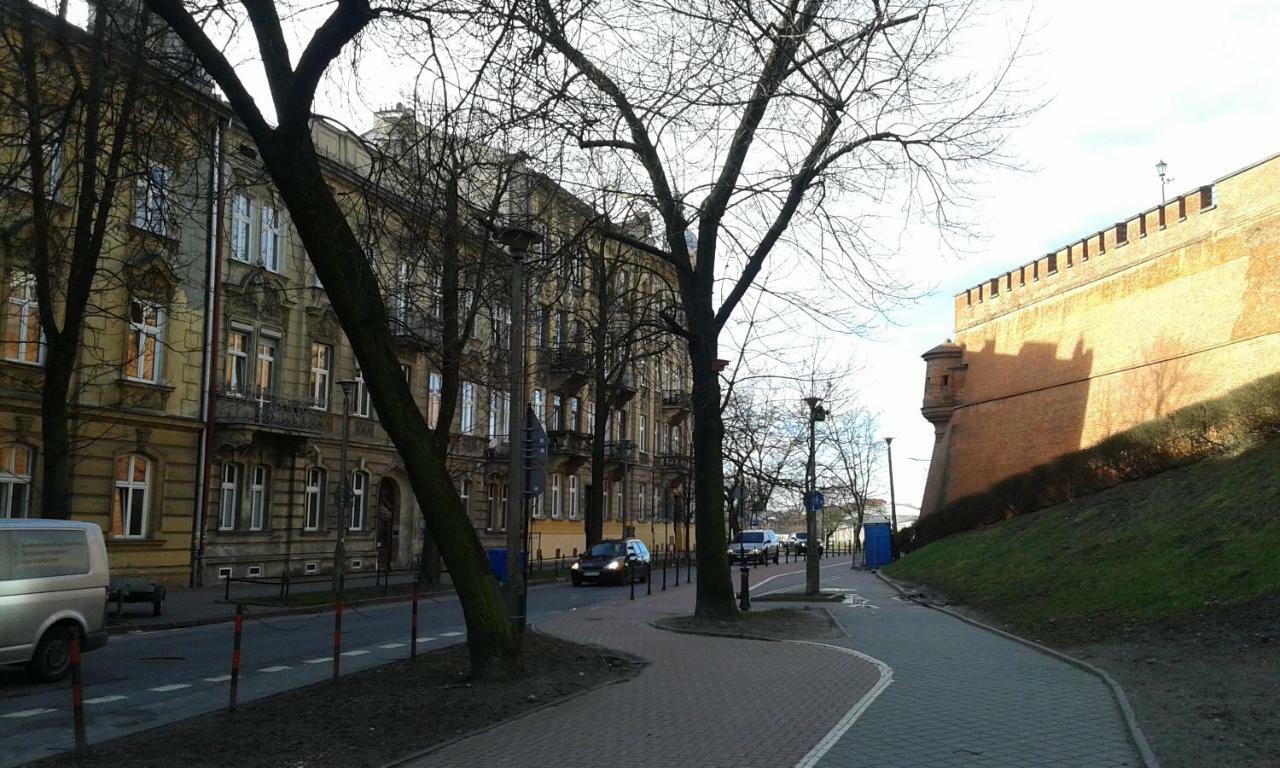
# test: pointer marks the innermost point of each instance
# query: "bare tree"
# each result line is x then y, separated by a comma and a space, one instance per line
100, 117
336, 250
762, 451
750, 129
853, 439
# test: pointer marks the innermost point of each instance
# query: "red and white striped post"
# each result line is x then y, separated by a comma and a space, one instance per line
337, 638
235, 657
413, 631
77, 694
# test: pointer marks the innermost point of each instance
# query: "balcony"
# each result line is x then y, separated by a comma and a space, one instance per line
270, 413
417, 329
623, 389
570, 367
676, 405
673, 463
573, 448
498, 451
621, 452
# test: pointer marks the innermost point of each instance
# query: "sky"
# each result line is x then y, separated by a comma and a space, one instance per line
1128, 83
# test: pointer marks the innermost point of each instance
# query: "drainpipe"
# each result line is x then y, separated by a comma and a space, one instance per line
212, 326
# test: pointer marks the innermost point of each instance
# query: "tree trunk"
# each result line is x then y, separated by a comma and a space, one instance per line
353, 292
55, 431
715, 585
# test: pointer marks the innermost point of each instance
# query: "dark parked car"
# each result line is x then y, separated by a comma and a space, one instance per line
759, 546
606, 563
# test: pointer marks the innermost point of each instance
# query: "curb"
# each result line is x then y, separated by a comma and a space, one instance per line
1135, 732
639, 666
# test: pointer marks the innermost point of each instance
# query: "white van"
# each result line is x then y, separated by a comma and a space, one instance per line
53, 583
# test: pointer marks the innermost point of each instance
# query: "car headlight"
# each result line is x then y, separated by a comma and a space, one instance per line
755, 551
615, 565
576, 566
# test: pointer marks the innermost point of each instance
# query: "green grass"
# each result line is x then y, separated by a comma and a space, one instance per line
1163, 549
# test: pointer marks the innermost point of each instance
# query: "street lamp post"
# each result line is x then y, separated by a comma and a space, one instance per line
1161, 170
893, 504
517, 240
816, 413
344, 491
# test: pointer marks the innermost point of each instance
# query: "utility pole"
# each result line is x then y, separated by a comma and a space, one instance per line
344, 491
816, 413
893, 505
517, 240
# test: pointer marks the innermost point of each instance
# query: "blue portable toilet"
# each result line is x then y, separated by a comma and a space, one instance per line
876, 535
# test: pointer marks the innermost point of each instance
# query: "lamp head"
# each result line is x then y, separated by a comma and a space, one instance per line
348, 386
1161, 167
518, 238
888, 441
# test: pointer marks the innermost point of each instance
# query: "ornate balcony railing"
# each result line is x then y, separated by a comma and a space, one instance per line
673, 462
570, 359
568, 442
677, 399
270, 412
620, 451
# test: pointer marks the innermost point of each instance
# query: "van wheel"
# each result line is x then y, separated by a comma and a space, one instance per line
52, 661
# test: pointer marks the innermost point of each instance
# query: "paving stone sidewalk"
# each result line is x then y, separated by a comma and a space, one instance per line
962, 696
702, 701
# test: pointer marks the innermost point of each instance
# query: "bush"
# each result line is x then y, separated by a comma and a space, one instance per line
1242, 418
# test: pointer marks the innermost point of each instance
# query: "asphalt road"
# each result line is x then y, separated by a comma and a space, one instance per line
144, 679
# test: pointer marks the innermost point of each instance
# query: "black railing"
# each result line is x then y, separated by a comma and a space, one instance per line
270, 411
567, 441
677, 399
673, 462
417, 326
623, 451
570, 358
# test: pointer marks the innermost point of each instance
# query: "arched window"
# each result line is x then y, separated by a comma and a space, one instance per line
15, 480
314, 498
133, 490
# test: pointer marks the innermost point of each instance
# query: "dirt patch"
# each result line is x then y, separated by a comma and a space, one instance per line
1205, 692
370, 718
776, 624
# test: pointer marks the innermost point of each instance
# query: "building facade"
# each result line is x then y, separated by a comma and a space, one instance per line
1161, 310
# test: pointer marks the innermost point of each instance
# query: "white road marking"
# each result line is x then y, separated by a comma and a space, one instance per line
167, 688
104, 699
451, 634
320, 660
28, 712
218, 679
425, 639
840, 728
360, 652
392, 645
277, 668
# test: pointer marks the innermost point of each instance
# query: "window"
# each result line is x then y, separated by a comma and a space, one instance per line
557, 511
591, 418
229, 497
464, 494
434, 385
236, 367
151, 207
23, 337
642, 433
495, 512
572, 417
258, 498
617, 499
264, 373
241, 216
254, 571
321, 373
146, 324
311, 566
468, 408
573, 497
407, 372
271, 249
359, 499
499, 414
644, 492
15, 480
502, 327
314, 499
539, 401
362, 406
535, 505
129, 511
553, 416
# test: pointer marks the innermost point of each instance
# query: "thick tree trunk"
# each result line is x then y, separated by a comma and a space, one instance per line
715, 585
55, 432
353, 292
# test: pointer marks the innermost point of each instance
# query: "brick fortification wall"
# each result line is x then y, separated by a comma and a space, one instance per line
1172, 306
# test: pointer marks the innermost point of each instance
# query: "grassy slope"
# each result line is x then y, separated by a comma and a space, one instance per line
1162, 549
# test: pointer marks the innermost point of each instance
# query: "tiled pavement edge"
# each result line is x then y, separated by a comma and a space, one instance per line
963, 696
702, 701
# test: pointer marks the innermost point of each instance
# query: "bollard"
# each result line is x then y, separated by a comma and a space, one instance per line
77, 694
677, 568
235, 657
413, 631
631, 577
337, 639
744, 596
666, 555
648, 578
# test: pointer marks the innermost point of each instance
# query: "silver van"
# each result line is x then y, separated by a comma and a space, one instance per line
53, 583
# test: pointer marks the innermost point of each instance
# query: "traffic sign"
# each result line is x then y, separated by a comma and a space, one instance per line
815, 501
535, 453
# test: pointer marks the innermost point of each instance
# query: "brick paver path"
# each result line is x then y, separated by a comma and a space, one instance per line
702, 701
962, 696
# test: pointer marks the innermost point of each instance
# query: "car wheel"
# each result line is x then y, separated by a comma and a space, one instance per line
52, 661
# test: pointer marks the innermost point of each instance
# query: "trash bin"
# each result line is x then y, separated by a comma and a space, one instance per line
876, 537
498, 562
